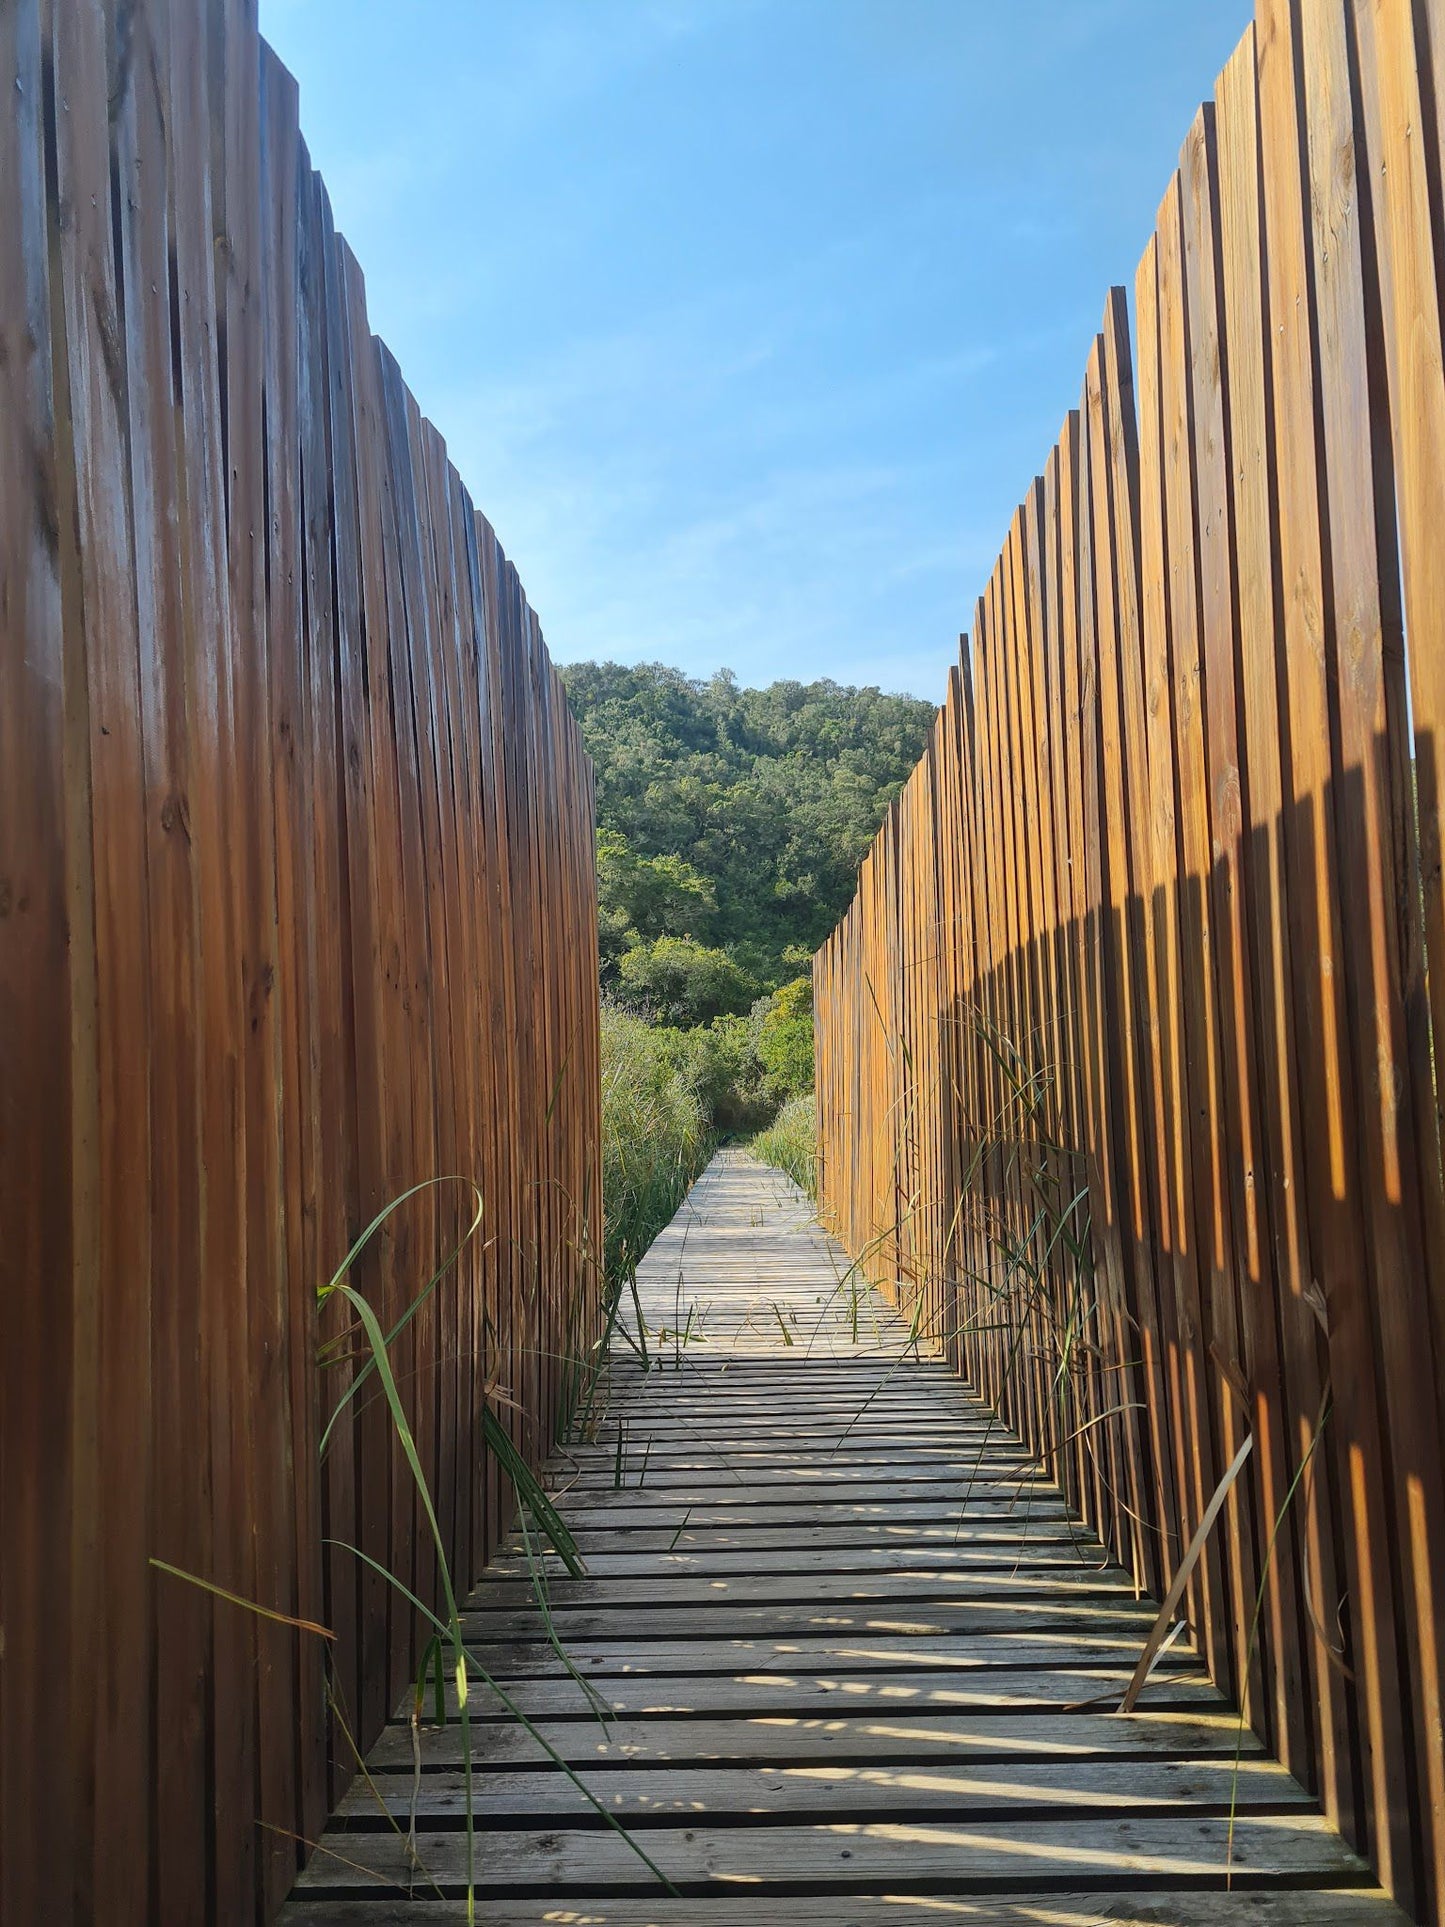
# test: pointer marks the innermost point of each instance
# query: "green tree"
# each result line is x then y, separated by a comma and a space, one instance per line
645, 896
731, 823
785, 1039
678, 981
766, 798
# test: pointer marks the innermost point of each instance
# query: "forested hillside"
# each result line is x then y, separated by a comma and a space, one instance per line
731, 824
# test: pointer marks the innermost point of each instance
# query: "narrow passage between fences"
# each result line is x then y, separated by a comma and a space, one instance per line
848, 1657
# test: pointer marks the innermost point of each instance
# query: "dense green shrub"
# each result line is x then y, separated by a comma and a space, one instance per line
677, 980
785, 1039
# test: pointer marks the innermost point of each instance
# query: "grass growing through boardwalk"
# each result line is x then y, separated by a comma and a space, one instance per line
790, 1143
534, 1509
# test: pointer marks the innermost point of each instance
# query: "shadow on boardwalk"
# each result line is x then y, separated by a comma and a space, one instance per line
860, 1661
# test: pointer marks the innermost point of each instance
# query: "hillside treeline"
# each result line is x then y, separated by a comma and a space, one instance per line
730, 826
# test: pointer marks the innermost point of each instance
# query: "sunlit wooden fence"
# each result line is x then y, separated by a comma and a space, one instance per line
296, 911
1127, 1061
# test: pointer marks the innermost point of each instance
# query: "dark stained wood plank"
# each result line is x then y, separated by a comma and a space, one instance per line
1339, 1908
110, 1585
971, 1857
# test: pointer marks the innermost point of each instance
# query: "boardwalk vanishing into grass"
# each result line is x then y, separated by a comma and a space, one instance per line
859, 1662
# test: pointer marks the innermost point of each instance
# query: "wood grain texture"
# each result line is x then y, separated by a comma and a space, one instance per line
262, 775
1185, 842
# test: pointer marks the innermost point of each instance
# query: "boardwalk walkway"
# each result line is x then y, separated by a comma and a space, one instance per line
859, 1658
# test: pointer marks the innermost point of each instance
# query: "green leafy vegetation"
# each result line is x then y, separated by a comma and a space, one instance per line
791, 1143
732, 818
656, 1137
731, 823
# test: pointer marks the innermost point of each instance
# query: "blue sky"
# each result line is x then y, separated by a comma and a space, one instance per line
748, 321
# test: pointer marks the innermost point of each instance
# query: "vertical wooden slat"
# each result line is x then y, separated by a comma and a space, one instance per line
1371, 800
1126, 912
1182, 853
38, 983
178, 1879
347, 974
1304, 1526
1244, 1340
110, 1525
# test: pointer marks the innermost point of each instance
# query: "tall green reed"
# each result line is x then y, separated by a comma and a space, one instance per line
790, 1143
656, 1138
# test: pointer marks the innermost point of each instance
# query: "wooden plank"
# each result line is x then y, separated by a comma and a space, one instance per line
1398, 60
1121, 928
1314, 904
109, 1584
328, 1157
1383, 477
970, 1858
280, 943
208, 100
692, 1539
1342, 1907
992, 1485
841, 1737
833, 1792
1022, 1556
1262, 777
383, 1532
800, 1693
1247, 1333
261, 1522
697, 1653
1006, 1616
1201, 1203
817, 1583
180, 1615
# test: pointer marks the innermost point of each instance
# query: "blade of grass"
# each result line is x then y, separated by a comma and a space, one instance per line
531, 1492
335, 1285
248, 1605
403, 1431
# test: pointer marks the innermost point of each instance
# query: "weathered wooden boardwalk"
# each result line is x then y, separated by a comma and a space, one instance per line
860, 1661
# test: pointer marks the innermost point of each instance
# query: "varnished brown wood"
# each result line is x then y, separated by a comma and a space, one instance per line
1194, 805
291, 816
262, 774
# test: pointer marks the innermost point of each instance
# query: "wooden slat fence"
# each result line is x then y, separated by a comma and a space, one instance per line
297, 910
1127, 1061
